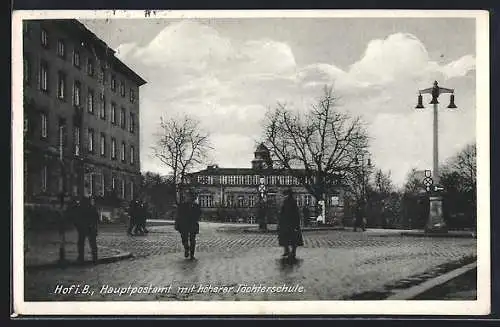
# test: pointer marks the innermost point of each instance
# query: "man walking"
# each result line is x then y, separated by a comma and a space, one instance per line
133, 215
289, 234
187, 223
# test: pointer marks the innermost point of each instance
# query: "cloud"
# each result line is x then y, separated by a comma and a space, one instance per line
459, 67
229, 83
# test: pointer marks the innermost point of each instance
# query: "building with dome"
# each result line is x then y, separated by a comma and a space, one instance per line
234, 194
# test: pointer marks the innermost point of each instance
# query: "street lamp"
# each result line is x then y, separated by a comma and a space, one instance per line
435, 213
363, 164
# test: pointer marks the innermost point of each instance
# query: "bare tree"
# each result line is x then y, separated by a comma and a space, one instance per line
465, 165
383, 182
413, 184
181, 146
458, 177
317, 146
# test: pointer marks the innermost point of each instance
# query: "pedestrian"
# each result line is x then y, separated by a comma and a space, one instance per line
359, 219
142, 216
187, 223
86, 220
289, 233
133, 213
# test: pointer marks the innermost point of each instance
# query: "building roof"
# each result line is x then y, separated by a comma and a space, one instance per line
102, 48
262, 148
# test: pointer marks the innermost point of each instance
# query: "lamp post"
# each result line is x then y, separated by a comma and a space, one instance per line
363, 162
436, 221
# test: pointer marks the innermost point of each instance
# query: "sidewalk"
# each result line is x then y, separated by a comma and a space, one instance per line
44, 247
420, 233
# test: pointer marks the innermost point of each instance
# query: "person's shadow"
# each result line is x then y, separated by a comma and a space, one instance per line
288, 264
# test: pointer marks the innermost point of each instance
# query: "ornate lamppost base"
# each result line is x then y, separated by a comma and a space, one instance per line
436, 223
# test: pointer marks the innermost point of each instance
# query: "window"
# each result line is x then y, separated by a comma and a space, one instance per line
132, 95
102, 107
77, 91
241, 201
44, 178
76, 58
299, 201
92, 184
113, 113
44, 38
307, 199
26, 125
103, 144
62, 136
206, 201
90, 67
27, 29
61, 49
113, 148
123, 123
77, 141
132, 123
131, 190
113, 83
230, 200
90, 140
122, 154
27, 69
251, 200
122, 89
123, 188
113, 183
61, 85
90, 101
103, 184
102, 76
44, 75
132, 154
43, 117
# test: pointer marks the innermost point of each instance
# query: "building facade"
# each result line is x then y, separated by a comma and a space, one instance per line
235, 194
81, 115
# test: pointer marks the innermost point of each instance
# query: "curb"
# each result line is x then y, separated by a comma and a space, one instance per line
442, 235
108, 259
432, 283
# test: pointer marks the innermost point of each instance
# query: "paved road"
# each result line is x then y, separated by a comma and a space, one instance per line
332, 265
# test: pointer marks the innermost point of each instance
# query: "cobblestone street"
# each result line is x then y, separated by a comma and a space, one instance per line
332, 265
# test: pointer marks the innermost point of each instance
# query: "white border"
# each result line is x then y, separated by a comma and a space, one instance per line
479, 307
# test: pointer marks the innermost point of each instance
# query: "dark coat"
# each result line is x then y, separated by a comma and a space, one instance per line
188, 217
289, 232
133, 211
85, 217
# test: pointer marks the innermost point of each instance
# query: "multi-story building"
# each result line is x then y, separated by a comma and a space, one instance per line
81, 115
234, 193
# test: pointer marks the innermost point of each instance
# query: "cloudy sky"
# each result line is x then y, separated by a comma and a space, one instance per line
227, 72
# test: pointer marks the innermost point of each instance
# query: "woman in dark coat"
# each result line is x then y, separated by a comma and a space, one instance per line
186, 223
289, 234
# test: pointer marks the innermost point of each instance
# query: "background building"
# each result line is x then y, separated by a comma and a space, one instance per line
232, 194
81, 115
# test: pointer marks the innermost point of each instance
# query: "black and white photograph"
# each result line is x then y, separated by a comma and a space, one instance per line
251, 162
